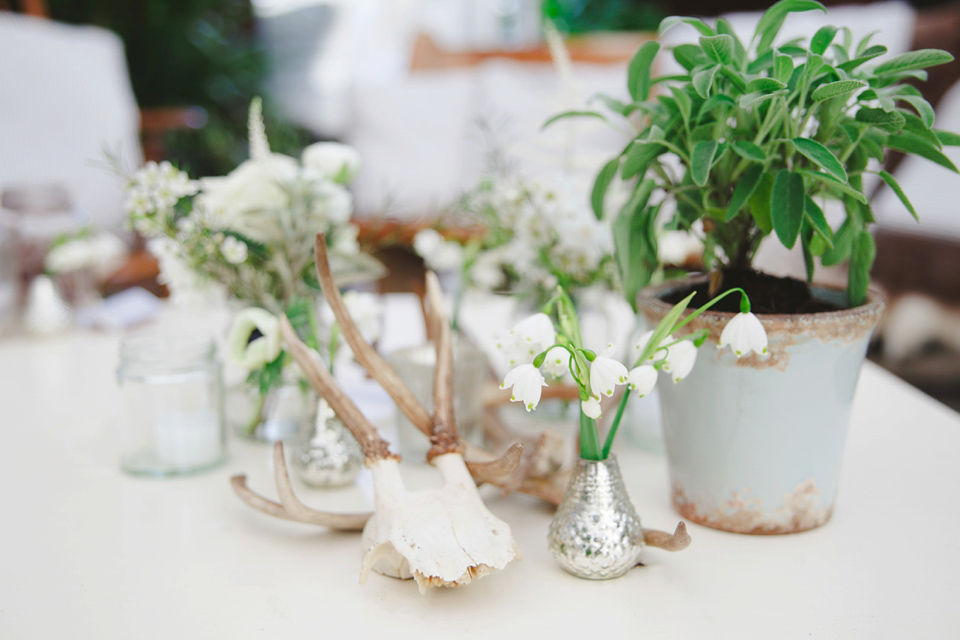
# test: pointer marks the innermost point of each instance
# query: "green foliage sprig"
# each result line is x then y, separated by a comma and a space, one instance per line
763, 134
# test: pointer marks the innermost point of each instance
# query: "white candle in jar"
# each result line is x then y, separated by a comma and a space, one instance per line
186, 439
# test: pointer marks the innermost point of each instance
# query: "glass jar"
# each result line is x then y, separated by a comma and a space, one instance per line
172, 404
8, 279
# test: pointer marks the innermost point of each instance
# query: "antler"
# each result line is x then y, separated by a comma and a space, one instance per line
443, 434
678, 541
290, 508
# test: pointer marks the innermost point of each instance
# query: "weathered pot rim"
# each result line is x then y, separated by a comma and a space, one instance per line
649, 300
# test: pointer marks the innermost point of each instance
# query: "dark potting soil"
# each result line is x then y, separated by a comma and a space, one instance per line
768, 294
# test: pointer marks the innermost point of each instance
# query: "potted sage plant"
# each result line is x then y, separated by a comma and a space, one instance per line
752, 141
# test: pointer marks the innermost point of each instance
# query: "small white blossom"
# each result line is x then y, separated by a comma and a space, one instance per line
234, 250
591, 407
252, 354
606, 373
527, 383
437, 252
529, 337
642, 343
332, 160
743, 334
642, 379
680, 360
556, 363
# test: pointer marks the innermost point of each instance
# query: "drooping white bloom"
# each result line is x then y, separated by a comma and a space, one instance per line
234, 251
528, 337
256, 352
527, 383
332, 160
680, 360
437, 252
591, 407
557, 362
642, 343
642, 379
743, 334
606, 373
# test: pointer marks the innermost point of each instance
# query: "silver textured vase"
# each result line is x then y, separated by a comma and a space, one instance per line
326, 455
596, 532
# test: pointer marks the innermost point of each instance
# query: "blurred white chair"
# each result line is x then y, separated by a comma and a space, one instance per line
65, 103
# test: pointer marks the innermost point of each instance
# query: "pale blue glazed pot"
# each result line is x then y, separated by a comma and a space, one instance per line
755, 444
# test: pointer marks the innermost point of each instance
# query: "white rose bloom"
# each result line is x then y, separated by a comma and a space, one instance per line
252, 354
527, 383
246, 200
606, 373
332, 160
744, 333
234, 251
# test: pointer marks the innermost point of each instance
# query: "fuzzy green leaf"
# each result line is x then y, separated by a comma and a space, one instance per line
814, 215
947, 138
684, 103
915, 126
739, 53
745, 188
782, 67
765, 85
638, 71
822, 39
913, 60
601, 184
889, 121
772, 19
750, 151
893, 184
909, 143
689, 56
786, 206
862, 254
866, 56
572, 114
821, 156
702, 160
756, 99
703, 80
829, 181
671, 21
712, 103
760, 203
842, 240
718, 48
834, 89
923, 108
639, 156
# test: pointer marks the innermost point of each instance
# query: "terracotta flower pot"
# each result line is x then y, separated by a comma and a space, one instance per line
755, 444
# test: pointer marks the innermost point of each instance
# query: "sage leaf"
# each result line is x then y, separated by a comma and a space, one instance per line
760, 203
671, 21
889, 121
893, 184
862, 254
701, 160
601, 184
718, 48
818, 221
639, 156
947, 138
922, 107
772, 19
909, 143
834, 89
745, 188
765, 85
572, 114
866, 56
755, 99
822, 39
703, 80
913, 60
688, 56
821, 156
750, 151
782, 67
786, 206
829, 181
638, 71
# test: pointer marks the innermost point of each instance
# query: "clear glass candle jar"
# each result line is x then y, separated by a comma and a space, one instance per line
171, 419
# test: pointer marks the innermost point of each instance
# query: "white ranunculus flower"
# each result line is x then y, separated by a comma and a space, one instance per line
557, 362
254, 353
642, 379
247, 199
606, 373
527, 383
234, 251
680, 360
743, 334
332, 160
591, 407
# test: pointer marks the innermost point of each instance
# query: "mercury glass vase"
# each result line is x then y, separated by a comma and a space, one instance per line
596, 532
325, 454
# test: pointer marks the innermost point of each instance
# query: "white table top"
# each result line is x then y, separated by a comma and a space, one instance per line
88, 552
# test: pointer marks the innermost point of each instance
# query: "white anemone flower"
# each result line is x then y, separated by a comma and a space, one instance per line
251, 354
591, 407
556, 363
642, 379
680, 360
527, 383
606, 373
744, 334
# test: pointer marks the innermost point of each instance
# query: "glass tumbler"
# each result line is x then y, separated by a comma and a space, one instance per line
171, 420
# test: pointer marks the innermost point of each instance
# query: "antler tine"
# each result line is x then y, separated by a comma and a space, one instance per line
363, 352
443, 436
677, 541
373, 446
292, 509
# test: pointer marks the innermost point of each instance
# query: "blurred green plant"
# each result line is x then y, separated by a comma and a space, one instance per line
584, 16
192, 52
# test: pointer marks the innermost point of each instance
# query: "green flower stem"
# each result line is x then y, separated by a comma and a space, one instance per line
705, 307
615, 425
589, 438
256, 415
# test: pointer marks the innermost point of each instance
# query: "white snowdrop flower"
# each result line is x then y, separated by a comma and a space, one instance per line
527, 383
606, 373
234, 250
680, 360
743, 334
528, 337
332, 160
252, 352
591, 407
439, 253
556, 362
642, 379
